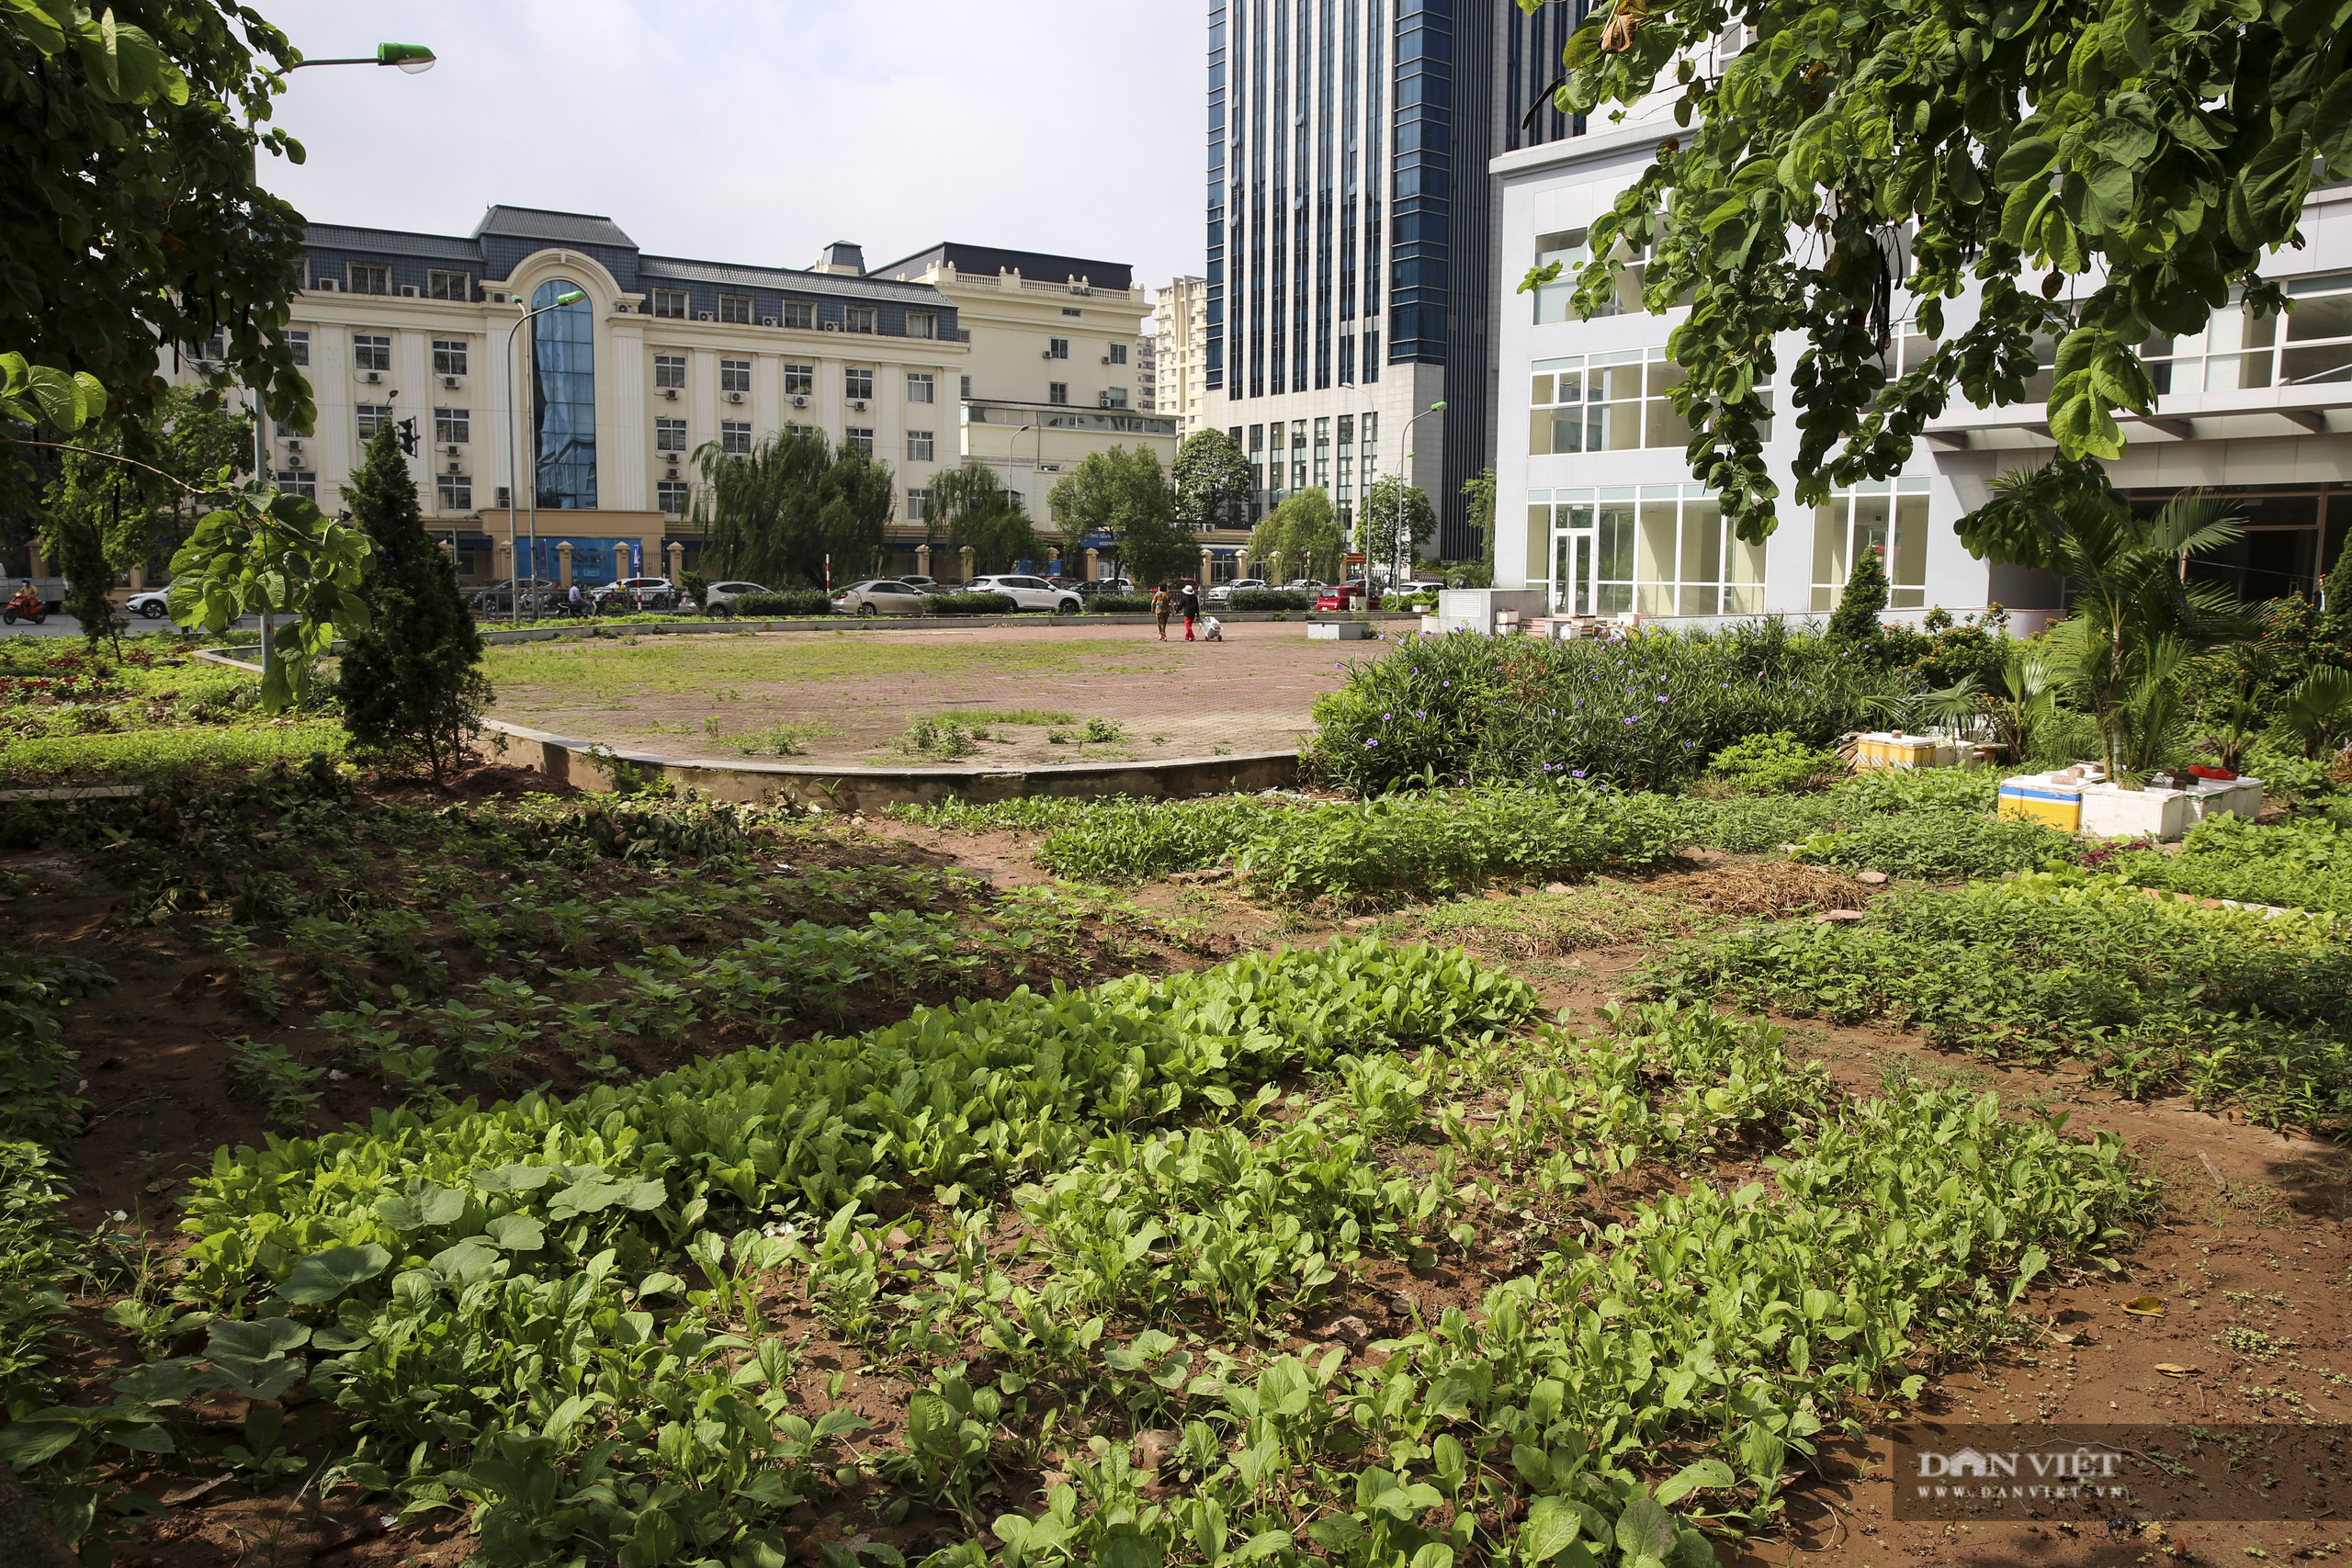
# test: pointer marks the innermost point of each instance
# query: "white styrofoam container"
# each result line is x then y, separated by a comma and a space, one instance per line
2109, 812
2211, 797
2248, 804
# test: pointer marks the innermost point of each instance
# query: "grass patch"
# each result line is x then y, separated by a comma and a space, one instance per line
1547, 924
778, 740
975, 717
584, 671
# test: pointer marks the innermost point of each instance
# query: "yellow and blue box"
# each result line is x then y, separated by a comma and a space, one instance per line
2034, 798
1883, 750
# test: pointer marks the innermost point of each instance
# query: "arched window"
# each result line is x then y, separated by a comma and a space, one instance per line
563, 398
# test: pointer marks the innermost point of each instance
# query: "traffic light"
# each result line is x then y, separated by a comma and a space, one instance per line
408, 436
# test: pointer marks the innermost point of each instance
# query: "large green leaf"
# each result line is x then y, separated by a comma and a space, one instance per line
323, 1276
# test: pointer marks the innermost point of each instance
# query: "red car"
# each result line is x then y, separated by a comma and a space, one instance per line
1335, 596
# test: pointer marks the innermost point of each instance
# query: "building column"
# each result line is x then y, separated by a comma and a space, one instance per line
1241, 562
923, 561
139, 580
1094, 563
563, 563
502, 560
1205, 566
677, 554
967, 553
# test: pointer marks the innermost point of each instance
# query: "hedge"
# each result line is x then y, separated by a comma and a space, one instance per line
1269, 599
791, 602
1118, 604
969, 604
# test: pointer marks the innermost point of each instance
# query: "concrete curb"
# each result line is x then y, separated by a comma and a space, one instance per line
592, 765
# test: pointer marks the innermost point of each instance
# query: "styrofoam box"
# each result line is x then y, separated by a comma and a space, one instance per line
2033, 798
2212, 797
2113, 813
2249, 798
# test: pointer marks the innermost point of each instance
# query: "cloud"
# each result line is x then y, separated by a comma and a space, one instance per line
760, 133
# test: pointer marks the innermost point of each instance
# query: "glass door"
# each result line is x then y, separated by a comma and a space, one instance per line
1572, 553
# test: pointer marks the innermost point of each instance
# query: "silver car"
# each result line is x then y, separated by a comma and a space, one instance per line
879, 596
1030, 593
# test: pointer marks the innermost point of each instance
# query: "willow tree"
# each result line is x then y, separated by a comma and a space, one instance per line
1303, 530
970, 509
2102, 172
779, 512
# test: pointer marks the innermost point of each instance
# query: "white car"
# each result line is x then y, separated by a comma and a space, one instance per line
1224, 591
719, 598
1030, 593
877, 596
151, 605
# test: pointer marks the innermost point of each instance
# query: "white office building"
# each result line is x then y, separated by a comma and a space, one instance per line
1595, 501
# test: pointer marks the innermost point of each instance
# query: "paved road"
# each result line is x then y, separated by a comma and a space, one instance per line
66, 626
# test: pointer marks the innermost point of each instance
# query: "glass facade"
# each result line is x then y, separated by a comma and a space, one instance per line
563, 399
1658, 550
1886, 515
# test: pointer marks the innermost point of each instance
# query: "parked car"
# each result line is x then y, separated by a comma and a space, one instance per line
1415, 586
1088, 589
1224, 591
719, 598
879, 596
151, 605
1304, 585
631, 594
921, 583
1029, 594
1338, 594
499, 597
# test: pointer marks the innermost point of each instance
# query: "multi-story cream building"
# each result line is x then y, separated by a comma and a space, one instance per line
1051, 373
1180, 354
587, 419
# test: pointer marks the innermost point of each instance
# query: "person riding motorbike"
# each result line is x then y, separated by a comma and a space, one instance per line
26, 602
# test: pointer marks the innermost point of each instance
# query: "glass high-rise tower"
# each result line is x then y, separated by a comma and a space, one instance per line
1351, 269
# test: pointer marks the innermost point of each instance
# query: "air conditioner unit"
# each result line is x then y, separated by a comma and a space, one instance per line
858, 407
670, 393
1106, 359
326, 285
767, 321
450, 382
410, 291
734, 397
829, 326
294, 460
502, 495
501, 299
372, 377
704, 316
456, 467
799, 401
293, 446
451, 449
1105, 400
1047, 355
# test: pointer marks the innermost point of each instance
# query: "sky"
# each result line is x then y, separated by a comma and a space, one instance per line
759, 132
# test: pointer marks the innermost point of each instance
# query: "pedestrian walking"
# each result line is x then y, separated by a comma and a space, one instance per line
1190, 601
1162, 602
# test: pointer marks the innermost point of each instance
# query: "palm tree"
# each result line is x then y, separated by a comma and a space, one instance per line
2135, 620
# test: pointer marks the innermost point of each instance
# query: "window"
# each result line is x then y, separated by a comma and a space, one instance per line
802, 430
921, 323
671, 302
860, 437
668, 435
449, 356
1116, 398
669, 370
800, 313
672, 496
1888, 516
918, 505
1058, 392
1069, 311
303, 482
1118, 354
1058, 348
857, 385
919, 443
367, 280
861, 319
735, 437
964, 387
1663, 550
371, 419
371, 351
919, 386
734, 375
456, 491
1609, 403
1553, 301
799, 381
453, 424
448, 285
735, 307
299, 344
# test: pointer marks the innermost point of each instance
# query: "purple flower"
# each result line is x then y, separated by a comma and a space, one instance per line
1633, 719
1371, 743
1577, 773
1387, 717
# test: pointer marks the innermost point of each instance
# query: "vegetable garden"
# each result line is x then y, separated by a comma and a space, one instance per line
1538, 1163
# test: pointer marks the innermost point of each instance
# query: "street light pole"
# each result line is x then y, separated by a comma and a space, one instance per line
413, 58
513, 454
1396, 544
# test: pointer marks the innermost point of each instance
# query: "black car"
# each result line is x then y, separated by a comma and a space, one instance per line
1106, 585
498, 599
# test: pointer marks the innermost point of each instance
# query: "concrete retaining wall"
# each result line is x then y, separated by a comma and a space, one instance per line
587, 764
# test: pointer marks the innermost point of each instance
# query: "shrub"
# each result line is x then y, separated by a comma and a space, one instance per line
1643, 711
1855, 620
2304, 865
791, 602
1252, 599
1942, 846
1119, 605
1877, 790
1753, 824
968, 605
1769, 764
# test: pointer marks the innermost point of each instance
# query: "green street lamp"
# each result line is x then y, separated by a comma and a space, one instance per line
513, 451
412, 57
1404, 468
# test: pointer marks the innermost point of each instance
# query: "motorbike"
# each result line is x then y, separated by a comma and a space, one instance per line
21, 608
